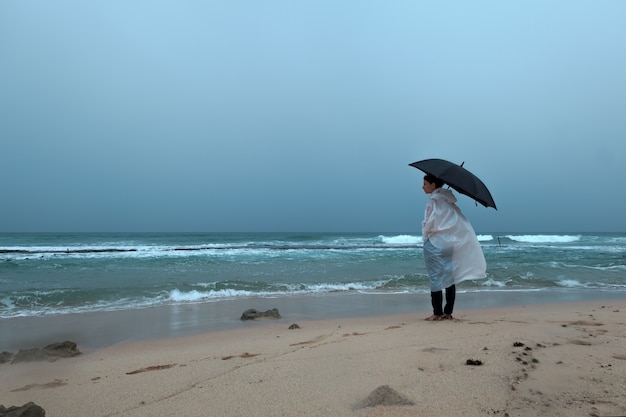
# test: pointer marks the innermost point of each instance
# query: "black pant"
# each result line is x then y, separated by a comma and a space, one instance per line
436, 299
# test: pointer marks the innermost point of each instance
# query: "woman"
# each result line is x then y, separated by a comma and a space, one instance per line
451, 250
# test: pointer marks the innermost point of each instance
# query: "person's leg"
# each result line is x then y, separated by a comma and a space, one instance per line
434, 267
436, 299
450, 297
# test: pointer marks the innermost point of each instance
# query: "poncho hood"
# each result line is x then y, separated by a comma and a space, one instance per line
443, 194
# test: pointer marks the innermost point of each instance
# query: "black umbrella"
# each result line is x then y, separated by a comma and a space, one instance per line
458, 178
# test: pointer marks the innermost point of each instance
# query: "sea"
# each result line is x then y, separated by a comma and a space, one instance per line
43, 274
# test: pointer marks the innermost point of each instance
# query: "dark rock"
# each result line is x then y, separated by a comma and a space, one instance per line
475, 362
294, 326
6, 357
65, 349
29, 355
50, 353
252, 314
29, 409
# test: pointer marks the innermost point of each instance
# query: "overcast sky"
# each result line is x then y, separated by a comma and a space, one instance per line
290, 115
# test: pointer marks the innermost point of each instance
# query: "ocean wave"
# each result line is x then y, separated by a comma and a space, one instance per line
10, 309
213, 250
490, 282
544, 238
417, 240
236, 248
401, 240
571, 283
177, 295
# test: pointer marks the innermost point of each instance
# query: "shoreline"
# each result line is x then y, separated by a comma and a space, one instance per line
560, 359
95, 330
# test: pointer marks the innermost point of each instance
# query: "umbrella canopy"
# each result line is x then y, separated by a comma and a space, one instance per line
458, 178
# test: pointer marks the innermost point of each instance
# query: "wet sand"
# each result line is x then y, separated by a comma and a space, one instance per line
101, 329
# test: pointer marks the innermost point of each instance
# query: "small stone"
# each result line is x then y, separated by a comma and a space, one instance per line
385, 395
253, 314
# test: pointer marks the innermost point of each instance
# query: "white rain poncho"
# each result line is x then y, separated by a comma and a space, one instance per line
451, 250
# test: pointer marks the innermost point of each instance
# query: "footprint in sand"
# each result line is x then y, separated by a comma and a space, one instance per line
53, 384
580, 342
151, 368
433, 349
585, 323
243, 355
310, 342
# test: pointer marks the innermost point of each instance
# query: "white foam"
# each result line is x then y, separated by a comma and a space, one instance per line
570, 283
178, 296
8, 303
401, 239
194, 295
490, 282
544, 238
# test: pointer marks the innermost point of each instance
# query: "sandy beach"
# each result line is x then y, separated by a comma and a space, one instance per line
562, 359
